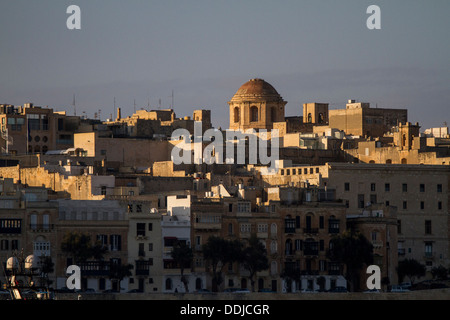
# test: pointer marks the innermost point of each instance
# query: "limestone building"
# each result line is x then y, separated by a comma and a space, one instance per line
256, 105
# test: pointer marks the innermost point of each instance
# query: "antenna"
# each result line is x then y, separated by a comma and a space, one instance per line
114, 110
159, 103
134, 103
74, 106
172, 99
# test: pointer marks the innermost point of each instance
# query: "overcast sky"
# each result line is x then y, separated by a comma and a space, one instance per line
204, 50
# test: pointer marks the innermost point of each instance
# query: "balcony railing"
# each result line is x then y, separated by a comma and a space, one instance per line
42, 227
95, 268
311, 230
311, 252
333, 230
289, 230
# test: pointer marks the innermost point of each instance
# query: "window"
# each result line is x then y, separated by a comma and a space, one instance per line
427, 226
387, 187
428, 249
262, 227
4, 245
360, 201
116, 242
140, 229
439, 188
273, 246
245, 227
347, 186
254, 114
422, 205
298, 244
405, 205
150, 227
273, 229
439, 205
399, 226
404, 187
243, 206
373, 187
236, 114
422, 187
321, 222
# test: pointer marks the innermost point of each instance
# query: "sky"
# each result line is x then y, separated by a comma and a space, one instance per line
137, 53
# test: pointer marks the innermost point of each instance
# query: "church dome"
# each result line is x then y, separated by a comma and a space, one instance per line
256, 89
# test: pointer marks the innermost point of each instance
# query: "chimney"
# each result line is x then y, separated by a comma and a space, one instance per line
118, 114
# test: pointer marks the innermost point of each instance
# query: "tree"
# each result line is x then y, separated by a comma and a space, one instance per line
290, 274
46, 266
439, 273
183, 256
80, 248
219, 252
119, 271
254, 258
410, 268
353, 250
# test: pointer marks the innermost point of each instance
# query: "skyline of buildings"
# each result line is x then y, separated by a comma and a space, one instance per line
359, 168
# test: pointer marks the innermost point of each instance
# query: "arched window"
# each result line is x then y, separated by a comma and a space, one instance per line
388, 161
236, 114
309, 118
273, 247
273, 229
254, 114
288, 246
404, 161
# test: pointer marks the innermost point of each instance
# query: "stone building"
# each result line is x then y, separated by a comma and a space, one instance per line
256, 105
359, 119
31, 129
27, 223
419, 192
106, 222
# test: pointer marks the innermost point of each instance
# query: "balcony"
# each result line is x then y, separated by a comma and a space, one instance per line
207, 226
429, 255
95, 268
311, 252
377, 244
311, 230
333, 230
289, 230
42, 227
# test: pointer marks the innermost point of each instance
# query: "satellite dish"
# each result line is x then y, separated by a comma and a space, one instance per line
30, 262
12, 263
